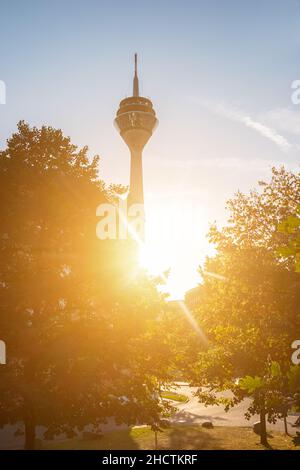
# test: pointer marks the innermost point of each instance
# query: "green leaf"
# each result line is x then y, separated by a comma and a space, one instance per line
285, 251
251, 384
294, 378
275, 369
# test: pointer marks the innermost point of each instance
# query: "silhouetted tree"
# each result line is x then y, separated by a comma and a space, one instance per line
291, 228
77, 315
249, 306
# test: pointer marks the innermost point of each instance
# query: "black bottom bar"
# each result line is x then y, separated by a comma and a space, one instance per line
135, 459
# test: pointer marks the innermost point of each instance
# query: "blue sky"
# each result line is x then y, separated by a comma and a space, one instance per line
218, 72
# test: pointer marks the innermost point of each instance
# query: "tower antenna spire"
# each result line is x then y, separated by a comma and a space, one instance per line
136, 121
135, 80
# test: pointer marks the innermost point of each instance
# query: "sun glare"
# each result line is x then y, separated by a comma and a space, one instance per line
175, 269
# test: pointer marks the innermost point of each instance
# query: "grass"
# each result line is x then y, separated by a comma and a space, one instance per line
168, 395
178, 437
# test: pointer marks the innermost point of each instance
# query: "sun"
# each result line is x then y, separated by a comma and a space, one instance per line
175, 269
154, 259
175, 241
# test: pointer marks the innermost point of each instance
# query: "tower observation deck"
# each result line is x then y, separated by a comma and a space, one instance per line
136, 120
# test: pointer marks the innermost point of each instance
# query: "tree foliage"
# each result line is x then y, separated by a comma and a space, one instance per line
78, 318
291, 227
249, 306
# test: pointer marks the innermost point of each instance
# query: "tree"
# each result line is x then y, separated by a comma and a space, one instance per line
249, 306
254, 217
74, 310
291, 227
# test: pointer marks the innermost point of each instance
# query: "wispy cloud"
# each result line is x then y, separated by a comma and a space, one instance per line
241, 164
222, 162
229, 112
284, 119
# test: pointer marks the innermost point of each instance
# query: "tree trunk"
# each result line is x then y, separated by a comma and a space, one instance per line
285, 425
263, 428
29, 409
29, 423
155, 440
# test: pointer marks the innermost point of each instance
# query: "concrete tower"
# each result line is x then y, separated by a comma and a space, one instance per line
136, 122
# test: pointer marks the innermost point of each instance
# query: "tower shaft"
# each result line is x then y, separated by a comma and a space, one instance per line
136, 190
136, 121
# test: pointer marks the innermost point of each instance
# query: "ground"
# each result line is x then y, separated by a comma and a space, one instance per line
189, 413
178, 437
193, 412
